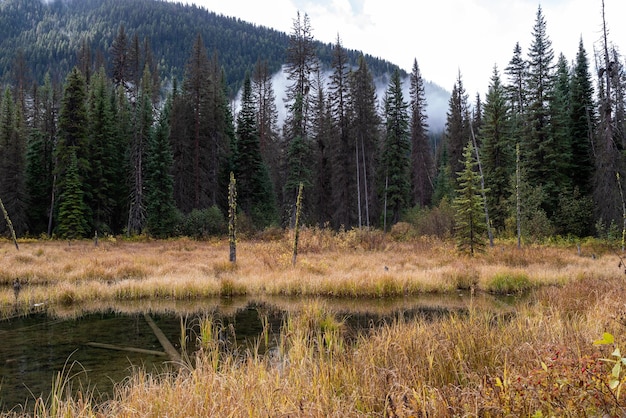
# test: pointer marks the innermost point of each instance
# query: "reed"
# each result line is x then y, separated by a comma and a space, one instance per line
538, 360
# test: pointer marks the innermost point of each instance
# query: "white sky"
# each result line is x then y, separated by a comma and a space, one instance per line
445, 36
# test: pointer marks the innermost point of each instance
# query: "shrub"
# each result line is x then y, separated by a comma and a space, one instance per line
507, 283
204, 223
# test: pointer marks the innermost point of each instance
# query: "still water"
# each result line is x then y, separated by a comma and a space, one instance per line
37, 348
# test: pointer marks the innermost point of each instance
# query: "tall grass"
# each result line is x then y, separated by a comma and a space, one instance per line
536, 361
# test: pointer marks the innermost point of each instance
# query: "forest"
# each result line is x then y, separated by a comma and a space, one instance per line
112, 139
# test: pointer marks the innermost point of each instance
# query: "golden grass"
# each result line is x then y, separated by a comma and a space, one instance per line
536, 361
357, 264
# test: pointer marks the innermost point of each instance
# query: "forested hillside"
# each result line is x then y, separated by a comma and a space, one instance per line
49, 34
115, 120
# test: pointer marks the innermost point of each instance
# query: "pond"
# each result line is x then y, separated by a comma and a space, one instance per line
97, 346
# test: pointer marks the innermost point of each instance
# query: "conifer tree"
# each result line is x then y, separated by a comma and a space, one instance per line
12, 163
583, 122
301, 66
143, 121
73, 148
321, 203
394, 170
537, 140
267, 121
366, 127
470, 224
422, 169
558, 155
73, 212
457, 131
517, 76
497, 151
103, 155
256, 195
161, 213
342, 146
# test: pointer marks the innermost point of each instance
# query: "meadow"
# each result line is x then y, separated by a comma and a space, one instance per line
538, 360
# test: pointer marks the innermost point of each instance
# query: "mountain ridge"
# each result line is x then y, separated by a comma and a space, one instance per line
49, 34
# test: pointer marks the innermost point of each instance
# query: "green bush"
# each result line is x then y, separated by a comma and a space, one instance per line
204, 223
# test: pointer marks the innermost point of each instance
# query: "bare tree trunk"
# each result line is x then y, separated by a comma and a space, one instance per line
232, 218
367, 203
518, 208
358, 182
9, 224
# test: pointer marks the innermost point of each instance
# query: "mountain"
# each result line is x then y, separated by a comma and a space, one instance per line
49, 34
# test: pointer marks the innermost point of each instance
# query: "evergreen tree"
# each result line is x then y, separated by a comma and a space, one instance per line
321, 136
497, 151
256, 195
143, 121
537, 141
457, 132
470, 224
516, 88
73, 212
422, 169
39, 157
161, 213
343, 155
301, 65
197, 85
366, 127
73, 148
267, 121
103, 155
395, 176
558, 156
120, 142
119, 59
583, 122
12, 164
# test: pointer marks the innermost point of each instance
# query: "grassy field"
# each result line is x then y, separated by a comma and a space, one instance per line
537, 361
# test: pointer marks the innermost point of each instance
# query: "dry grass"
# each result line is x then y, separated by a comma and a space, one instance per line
536, 361
539, 361
354, 264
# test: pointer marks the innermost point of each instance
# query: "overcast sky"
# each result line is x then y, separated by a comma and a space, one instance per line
445, 36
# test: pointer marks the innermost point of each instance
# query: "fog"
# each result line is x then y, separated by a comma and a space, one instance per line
437, 98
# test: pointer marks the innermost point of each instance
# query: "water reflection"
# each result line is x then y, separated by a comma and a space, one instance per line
78, 339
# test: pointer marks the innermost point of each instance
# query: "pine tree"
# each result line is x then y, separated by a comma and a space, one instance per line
321, 137
537, 140
143, 121
267, 121
516, 88
120, 71
583, 120
394, 170
366, 127
12, 164
161, 213
256, 195
102, 155
73, 149
470, 224
457, 132
39, 158
497, 151
422, 169
558, 155
301, 65
73, 212
343, 154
